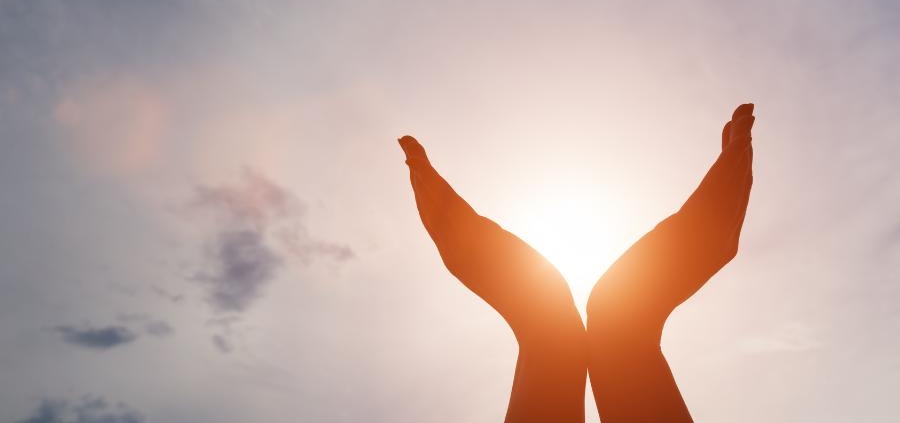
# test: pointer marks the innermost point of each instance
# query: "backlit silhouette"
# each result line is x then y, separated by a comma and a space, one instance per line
627, 309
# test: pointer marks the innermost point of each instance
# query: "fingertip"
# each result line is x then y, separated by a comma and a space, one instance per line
412, 148
745, 109
407, 142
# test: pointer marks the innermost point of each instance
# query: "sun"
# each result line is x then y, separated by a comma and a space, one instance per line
573, 230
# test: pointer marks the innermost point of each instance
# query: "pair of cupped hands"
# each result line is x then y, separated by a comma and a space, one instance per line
677, 257
627, 308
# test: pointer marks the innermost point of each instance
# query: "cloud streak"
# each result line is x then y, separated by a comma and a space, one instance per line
87, 410
102, 338
148, 324
222, 344
158, 328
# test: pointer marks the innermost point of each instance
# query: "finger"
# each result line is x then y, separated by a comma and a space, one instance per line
435, 198
427, 198
723, 186
735, 237
415, 153
742, 110
742, 125
726, 135
741, 184
741, 131
422, 204
736, 163
742, 176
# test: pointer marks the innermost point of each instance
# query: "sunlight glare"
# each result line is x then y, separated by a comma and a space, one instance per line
571, 227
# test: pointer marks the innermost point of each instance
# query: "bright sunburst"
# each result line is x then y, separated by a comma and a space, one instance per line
573, 230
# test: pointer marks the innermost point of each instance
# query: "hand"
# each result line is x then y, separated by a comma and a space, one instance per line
632, 300
682, 252
521, 285
498, 266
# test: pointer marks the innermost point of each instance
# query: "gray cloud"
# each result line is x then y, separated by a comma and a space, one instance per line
305, 249
258, 226
158, 328
150, 325
172, 297
222, 344
241, 263
97, 338
88, 410
257, 201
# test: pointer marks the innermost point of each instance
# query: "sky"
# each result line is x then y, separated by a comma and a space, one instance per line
206, 216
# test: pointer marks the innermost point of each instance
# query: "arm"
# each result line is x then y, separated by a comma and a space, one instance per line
521, 285
632, 300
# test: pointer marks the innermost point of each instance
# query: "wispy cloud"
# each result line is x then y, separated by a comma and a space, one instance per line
87, 410
241, 263
148, 324
222, 343
102, 338
258, 226
158, 328
171, 297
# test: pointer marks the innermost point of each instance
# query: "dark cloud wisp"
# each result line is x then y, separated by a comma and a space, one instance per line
158, 328
149, 325
222, 344
241, 264
96, 338
88, 410
257, 227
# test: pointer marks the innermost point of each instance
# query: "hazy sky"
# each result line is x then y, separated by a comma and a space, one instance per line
206, 216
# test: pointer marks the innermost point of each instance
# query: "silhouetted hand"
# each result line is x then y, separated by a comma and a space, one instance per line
682, 252
710, 221
521, 285
495, 264
632, 300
